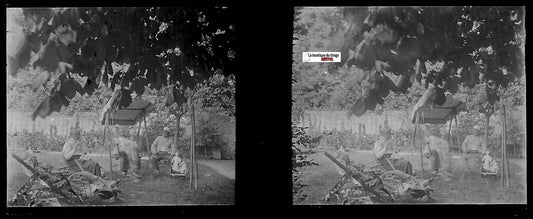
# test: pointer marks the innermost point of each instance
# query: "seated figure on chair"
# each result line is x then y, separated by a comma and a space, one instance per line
179, 167
473, 147
72, 155
128, 152
383, 152
489, 167
436, 150
162, 148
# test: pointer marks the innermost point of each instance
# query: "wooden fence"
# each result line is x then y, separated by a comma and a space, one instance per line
60, 124
368, 123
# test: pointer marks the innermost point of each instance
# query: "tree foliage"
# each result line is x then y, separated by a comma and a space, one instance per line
474, 44
405, 49
300, 152
160, 46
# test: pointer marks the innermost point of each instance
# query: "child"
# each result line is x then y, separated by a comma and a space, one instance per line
489, 165
179, 167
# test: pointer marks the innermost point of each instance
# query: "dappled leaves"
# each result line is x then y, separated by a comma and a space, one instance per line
300, 152
193, 44
471, 45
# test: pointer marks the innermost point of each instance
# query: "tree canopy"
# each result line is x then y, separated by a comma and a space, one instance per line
399, 48
154, 46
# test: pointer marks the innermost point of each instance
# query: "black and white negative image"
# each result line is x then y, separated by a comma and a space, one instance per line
120, 106
409, 105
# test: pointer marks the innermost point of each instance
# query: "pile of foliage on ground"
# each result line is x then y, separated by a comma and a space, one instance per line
48, 186
367, 185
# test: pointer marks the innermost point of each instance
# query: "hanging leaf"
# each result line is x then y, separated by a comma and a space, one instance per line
56, 103
452, 84
125, 98
68, 36
371, 100
179, 97
403, 84
64, 67
90, 85
138, 85
47, 58
69, 88
358, 108
43, 110
170, 96
439, 97
64, 100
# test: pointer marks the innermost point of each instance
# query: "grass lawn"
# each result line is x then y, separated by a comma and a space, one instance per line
213, 188
473, 189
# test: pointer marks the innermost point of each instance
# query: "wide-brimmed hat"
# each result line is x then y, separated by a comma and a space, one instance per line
476, 127
167, 129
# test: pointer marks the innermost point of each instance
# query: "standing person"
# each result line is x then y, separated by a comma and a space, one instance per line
72, 155
383, 152
437, 150
472, 148
163, 147
128, 152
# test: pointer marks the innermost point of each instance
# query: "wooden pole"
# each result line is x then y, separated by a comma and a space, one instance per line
450, 132
106, 123
139, 131
194, 148
503, 150
420, 143
191, 149
457, 133
147, 146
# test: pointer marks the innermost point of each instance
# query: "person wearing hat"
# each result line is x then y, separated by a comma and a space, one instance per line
383, 152
472, 148
163, 147
72, 154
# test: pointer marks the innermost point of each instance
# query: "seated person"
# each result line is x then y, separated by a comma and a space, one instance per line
473, 147
489, 164
437, 151
162, 148
179, 167
72, 155
382, 152
128, 152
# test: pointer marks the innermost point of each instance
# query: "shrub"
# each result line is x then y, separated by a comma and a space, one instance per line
36, 140
300, 151
346, 139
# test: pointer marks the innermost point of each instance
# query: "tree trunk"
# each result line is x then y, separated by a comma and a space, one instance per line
106, 123
193, 140
191, 149
505, 149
